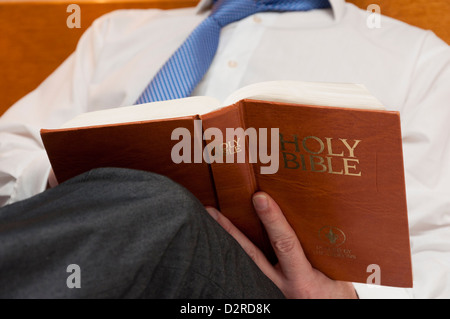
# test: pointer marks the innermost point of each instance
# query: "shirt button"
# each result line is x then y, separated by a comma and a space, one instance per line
232, 64
257, 19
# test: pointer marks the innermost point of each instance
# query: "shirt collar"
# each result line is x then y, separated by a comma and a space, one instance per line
337, 7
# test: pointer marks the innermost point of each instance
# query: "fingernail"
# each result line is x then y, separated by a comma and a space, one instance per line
213, 212
260, 202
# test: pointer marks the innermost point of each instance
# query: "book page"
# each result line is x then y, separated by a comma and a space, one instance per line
143, 112
309, 93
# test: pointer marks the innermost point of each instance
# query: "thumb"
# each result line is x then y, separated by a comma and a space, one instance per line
283, 238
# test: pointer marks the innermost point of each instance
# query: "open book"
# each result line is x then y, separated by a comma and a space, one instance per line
329, 154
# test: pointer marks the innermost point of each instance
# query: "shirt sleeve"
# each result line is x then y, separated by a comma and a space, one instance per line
426, 145
24, 166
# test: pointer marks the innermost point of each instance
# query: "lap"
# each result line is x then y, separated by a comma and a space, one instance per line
133, 235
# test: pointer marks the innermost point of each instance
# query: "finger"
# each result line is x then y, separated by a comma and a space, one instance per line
287, 247
252, 251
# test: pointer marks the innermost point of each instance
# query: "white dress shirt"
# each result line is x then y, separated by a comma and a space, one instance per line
406, 68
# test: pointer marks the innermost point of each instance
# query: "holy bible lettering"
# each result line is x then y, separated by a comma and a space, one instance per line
311, 153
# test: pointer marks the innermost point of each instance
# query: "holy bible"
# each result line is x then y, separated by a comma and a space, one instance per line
329, 154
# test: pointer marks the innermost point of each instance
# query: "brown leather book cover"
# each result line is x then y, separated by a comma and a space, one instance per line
235, 181
340, 177
341, 185
139, 145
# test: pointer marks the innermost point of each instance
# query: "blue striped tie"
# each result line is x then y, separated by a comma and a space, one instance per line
187, 66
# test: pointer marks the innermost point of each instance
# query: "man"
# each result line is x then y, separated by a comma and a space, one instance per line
405, 67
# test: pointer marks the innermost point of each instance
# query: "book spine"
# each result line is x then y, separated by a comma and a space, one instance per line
227, 149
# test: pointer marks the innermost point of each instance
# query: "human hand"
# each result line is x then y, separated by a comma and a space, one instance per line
52, 181
293, 274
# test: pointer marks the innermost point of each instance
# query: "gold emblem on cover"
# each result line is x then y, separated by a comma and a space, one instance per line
332, 236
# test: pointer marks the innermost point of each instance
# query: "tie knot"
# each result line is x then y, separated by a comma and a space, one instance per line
228, 11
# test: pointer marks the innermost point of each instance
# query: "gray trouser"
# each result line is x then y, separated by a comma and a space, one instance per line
119, 233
